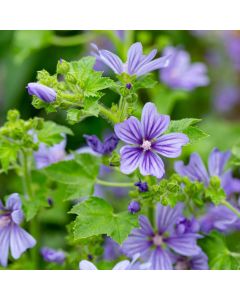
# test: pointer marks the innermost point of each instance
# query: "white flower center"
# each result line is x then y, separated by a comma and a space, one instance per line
157, 240
146, 145
4, 221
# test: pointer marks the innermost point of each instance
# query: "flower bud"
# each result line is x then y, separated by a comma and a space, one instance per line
62, 66
134, 207
41, 91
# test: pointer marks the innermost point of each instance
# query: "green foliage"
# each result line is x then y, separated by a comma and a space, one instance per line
187, 126
95, 216
220, 257
52, 133
79, 90
77, 175
235, 158
214, 191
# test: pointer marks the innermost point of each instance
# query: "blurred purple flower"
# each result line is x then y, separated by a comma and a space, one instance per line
232, 44
225, 98
155, 247
196, 171
109, 144
142, 186
111, 250
12, 236
41, 91
185, 225
136, 64
146, 141
180, 73
134, 207
196, 262
52, 255
46, 156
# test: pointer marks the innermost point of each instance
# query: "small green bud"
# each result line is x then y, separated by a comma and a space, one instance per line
13, 115
62, 67
71, 78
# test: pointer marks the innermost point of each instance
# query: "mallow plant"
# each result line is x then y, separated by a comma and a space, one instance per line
175, 215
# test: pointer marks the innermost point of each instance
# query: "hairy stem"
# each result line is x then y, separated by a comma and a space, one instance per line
115, 184
107, 114
231, 207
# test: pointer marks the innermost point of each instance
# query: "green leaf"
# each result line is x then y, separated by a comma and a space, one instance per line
52, 133
96, 216
145, 82
8, 155
78, 175
220, 257
214, 191
186, 126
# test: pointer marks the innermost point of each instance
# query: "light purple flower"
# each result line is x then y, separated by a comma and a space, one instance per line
41, 91
157, 247
106, 147
46, 156
111, 250
225, 98
180, 73
137, 63
147, 142
196, 262
134, 207
52, 255
12, 236
232, 44
217, 161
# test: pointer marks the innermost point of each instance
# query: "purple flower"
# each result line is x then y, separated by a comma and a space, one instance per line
46, 156
41, 91
196, 262
232, 43
146, 141
110, 143
134, 207
217, 161
156, 247
185, 225
136, 64
111, 250
88, 266
180, 73
142, 186
12, 236
52, 255
226, 97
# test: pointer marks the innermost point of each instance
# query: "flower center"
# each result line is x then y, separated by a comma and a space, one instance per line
4, 221
146, 145
157, 240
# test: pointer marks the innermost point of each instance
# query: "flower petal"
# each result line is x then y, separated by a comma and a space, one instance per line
184, 244
217, 161
17, 216
130, 158
134, 57
166, 217
146, 226
20, 241
151, 164
129, 131
13, 202
153, 123
111, 60
86, 265
170, 145
160, 260
195, 170
122, 265
161, 62
4, 245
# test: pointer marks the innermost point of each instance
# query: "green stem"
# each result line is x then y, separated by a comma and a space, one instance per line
67, 41
106, 113
114, 184
232, 208
27, 185
151, 214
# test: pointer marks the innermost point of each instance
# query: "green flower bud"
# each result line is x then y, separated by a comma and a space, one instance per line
62, 66
13, 115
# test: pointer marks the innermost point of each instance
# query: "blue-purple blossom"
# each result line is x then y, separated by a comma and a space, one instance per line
196, 171
12, 236
180, 73
52, 255
106, 147
137, 63
232, 44
41, 91
158, 246
111, 250
134, 207
146, 142
196, 262
185, 225
88, 266
142, 186
226, 97
46, 155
